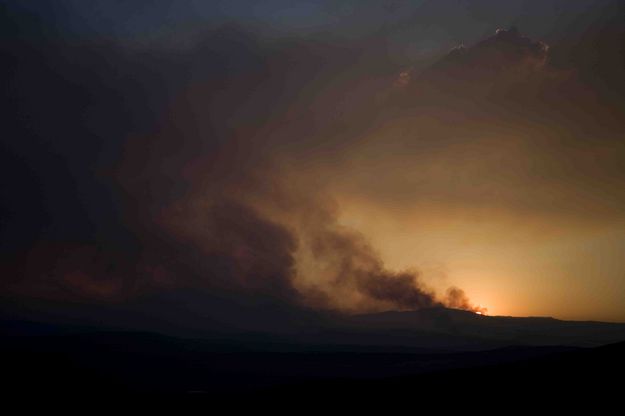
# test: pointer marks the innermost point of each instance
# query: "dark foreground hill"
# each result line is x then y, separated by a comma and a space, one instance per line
102, 367
573, 381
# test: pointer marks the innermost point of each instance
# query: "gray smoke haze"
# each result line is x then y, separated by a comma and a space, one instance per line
135, 171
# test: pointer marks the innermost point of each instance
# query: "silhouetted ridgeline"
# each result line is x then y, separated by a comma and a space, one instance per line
195, 314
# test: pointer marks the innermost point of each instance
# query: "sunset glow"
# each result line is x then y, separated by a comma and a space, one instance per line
312, 204
366, 164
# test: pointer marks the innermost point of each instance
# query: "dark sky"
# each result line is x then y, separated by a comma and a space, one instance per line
353, 156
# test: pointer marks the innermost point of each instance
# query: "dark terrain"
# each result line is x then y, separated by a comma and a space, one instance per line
75, 364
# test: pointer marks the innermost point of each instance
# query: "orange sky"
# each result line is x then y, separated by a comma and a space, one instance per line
329, 170
508, 265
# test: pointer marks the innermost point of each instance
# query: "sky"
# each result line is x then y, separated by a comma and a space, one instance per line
334, 156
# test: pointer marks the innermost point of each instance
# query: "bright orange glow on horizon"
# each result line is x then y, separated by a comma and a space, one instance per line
518, 266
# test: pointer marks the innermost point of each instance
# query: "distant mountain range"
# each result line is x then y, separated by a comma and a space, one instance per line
509, 330
281, 326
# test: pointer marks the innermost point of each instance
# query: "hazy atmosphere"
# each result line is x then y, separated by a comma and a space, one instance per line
357, 156
310, 204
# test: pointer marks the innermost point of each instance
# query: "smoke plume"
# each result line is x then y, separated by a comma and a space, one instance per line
129, 171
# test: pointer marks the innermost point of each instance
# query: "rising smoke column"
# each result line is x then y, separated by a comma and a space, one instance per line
198, 197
